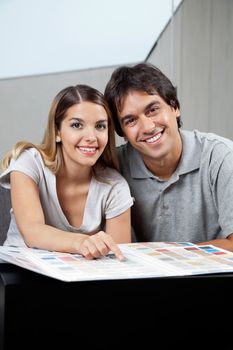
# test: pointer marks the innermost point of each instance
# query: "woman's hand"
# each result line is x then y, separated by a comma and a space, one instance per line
99, 244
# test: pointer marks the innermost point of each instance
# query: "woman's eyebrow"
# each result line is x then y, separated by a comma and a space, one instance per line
76, 119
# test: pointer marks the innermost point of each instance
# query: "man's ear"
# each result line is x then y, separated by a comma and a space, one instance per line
177, 111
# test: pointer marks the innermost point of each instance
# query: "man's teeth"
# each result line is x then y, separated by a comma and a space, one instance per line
154, 138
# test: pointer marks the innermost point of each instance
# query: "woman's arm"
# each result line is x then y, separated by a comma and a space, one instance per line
118, 230
31, 223
119, 227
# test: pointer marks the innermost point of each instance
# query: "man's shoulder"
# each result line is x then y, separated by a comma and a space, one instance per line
122, 152
208, 139
122, 148
126, 155
214, 140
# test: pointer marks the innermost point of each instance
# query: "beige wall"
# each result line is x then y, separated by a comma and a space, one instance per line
25, 102
202, 63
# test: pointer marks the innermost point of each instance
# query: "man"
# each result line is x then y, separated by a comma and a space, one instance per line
182, 181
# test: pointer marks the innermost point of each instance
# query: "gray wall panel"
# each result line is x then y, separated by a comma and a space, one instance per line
202, 63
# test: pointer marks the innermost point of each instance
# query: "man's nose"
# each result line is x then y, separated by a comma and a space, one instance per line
147, 124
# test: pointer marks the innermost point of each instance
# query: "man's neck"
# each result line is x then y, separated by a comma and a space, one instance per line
165, 166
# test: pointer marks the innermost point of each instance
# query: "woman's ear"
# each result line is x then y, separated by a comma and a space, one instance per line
58, 138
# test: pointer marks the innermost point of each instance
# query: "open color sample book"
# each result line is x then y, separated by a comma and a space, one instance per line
143, 260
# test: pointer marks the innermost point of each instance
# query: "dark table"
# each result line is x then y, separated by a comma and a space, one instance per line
40, 312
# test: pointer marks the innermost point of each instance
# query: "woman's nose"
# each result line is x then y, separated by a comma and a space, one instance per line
90, 135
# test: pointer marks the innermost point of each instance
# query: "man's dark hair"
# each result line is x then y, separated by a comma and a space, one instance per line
141, 77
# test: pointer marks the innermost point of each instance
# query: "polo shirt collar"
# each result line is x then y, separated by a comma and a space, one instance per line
190, 158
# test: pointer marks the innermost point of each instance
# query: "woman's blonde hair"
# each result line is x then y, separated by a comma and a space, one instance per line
49, 149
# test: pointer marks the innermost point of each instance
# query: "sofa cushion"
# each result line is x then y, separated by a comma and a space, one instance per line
5, 206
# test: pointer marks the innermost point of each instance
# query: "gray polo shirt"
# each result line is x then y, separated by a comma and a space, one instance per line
195, 204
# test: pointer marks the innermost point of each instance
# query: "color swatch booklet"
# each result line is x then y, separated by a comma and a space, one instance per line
142, 260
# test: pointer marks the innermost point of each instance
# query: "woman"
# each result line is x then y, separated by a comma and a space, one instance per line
66, 192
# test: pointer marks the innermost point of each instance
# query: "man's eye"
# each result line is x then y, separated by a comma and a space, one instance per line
152, 111
129, 121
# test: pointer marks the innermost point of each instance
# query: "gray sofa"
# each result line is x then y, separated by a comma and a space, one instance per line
5, 206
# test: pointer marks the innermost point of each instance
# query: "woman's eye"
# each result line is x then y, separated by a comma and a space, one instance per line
101, 126
76, 125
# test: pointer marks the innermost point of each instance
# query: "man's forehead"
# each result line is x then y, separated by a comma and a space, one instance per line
138, 98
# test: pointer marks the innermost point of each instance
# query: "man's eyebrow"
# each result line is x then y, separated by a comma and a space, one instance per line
127, 116
151, 104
